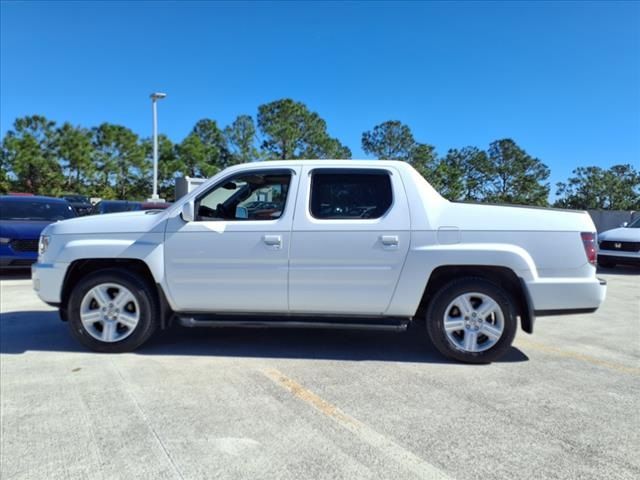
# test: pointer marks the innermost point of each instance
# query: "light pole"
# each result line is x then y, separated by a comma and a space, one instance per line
154, 98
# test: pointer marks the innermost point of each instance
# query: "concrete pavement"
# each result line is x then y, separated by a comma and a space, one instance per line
250, 404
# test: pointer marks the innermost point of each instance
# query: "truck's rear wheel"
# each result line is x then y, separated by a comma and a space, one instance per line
472, 320
112, 311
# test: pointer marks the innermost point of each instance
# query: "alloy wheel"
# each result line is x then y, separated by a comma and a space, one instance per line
109, 312
473, 322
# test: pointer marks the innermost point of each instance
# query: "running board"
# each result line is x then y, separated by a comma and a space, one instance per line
397, 325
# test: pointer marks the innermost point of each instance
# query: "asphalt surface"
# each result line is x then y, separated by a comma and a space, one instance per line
273, 404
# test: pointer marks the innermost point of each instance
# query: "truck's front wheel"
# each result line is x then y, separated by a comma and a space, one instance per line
112, 311
471, 320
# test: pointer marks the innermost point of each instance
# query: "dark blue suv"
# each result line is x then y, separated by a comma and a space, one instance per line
22, 218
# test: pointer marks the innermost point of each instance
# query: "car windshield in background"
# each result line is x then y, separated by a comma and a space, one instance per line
117, 207
34, 211
76, 198
154, 206
635, 223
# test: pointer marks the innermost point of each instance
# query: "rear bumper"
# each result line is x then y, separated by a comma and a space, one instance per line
553, 296
47, 279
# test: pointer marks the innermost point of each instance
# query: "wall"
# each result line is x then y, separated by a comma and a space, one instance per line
185, 185
608, 219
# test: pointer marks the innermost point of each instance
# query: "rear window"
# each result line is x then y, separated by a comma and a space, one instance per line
335, 195
35, 210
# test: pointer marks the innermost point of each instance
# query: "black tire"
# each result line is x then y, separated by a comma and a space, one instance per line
446, 295
146, 298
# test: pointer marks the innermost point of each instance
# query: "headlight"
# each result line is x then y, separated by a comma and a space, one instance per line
4, 240
43, 244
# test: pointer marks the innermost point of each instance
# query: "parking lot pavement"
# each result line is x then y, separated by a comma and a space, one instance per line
252, 404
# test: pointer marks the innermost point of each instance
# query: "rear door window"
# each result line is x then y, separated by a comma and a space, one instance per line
348, 195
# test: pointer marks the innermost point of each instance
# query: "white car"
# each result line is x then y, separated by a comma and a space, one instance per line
620, 246
353, 244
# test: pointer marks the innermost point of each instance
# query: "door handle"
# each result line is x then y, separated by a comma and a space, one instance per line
390, 240
273, 240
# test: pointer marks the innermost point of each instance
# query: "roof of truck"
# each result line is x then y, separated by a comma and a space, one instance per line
331, 162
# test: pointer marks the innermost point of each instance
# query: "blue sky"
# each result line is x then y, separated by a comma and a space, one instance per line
562, 79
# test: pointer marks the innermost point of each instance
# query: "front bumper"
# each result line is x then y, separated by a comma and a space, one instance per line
614, 256
47, 279
16, 262
570, 294
9, 258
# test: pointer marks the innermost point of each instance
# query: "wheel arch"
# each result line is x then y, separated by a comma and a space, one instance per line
78, 269
502, 276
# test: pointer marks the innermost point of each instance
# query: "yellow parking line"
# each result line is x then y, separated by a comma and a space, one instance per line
307, 396
366, 434
578, 356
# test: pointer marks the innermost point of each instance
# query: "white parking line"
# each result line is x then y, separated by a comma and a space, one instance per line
15, 282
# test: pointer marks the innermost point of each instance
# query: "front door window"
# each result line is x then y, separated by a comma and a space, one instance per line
249, 196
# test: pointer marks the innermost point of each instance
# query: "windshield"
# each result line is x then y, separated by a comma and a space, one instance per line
635, 223
45, 211
76, 198
116, 207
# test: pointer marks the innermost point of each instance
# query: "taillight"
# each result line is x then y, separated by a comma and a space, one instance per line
589, 242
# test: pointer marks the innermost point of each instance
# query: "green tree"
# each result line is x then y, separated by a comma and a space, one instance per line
5, 183
291, 131
391, 140
241, 138
625, 187
332, 148
214, 143
120, 162
28, 152
75, 150
463, 174
194, 158
595, 188
424, 159
514, 176
169, 167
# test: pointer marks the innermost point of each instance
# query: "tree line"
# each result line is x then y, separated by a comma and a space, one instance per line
111, 161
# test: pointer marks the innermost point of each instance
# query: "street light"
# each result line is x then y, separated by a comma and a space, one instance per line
154, 98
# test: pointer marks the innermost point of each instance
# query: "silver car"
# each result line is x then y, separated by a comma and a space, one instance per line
620, 245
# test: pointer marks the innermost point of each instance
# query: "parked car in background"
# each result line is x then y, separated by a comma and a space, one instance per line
115, 206
620, 246
22, 218
154, 205
79, 203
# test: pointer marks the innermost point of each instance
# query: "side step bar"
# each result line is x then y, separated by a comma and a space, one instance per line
397, 325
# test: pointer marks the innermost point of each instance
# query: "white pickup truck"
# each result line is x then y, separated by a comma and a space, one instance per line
345, 244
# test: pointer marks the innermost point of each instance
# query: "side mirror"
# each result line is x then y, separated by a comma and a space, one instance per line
187, 213
242, 213
624, 224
